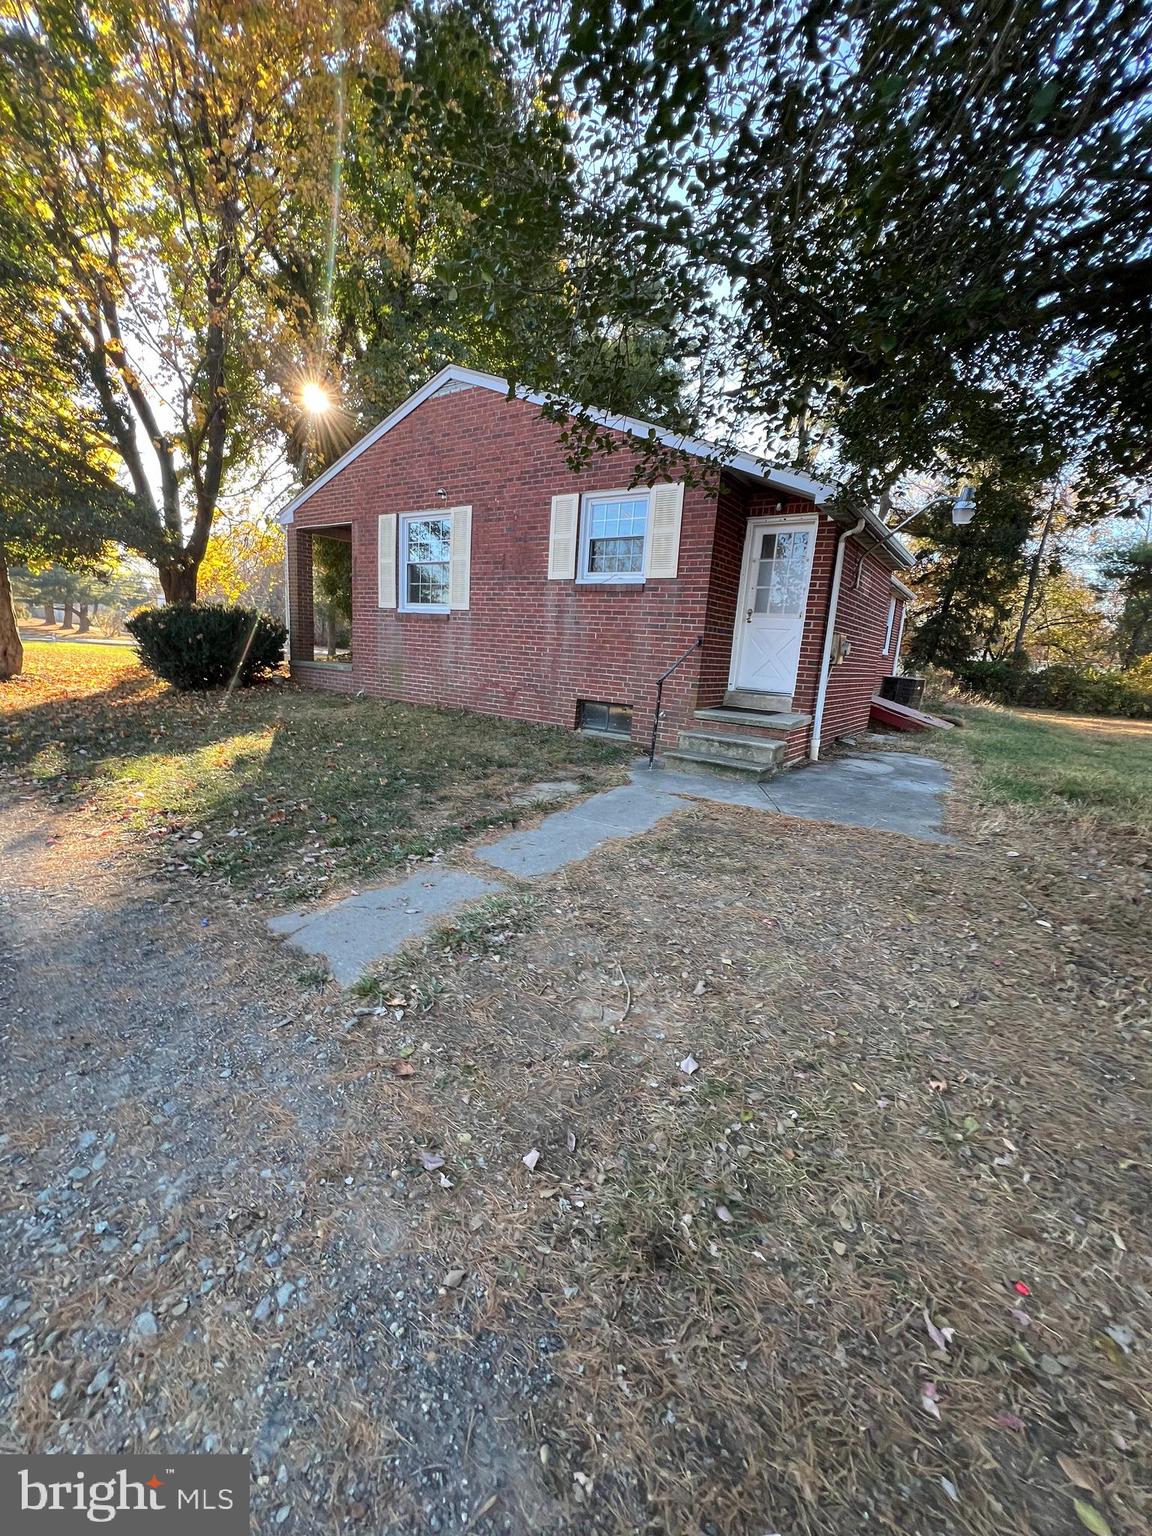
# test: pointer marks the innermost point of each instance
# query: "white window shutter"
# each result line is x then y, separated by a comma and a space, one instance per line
562, 538
461, 567
386, 560
665, 506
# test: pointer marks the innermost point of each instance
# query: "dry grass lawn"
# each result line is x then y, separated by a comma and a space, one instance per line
879, 1260
837, 1218
283, 792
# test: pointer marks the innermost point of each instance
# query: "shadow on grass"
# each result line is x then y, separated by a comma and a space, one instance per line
287, 790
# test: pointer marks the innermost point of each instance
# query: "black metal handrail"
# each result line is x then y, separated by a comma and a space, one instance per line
661, 680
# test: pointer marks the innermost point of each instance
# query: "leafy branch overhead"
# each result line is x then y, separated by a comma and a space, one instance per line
924, 229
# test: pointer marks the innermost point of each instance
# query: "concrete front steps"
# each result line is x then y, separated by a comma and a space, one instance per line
738, 743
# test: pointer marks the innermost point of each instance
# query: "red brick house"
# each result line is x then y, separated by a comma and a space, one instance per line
487, 575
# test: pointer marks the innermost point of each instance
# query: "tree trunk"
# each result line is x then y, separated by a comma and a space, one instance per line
66, 621
1033, 579
178, 582
83, 622
49, 613
331, 631
11, 650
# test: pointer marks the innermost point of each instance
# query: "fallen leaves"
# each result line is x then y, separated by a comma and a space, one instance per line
1123, 1336
941, 1337
1077, 1473
1091, 1519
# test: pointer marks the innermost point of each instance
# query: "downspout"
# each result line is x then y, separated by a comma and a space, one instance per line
829, 628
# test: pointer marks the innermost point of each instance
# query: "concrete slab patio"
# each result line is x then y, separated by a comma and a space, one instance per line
889, 791
892, 792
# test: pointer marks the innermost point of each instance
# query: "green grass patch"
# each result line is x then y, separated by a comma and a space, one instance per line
1077, 764
273, 787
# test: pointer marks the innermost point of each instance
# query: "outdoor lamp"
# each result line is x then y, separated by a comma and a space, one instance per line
964, 507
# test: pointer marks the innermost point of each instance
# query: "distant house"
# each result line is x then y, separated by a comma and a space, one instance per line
488, 575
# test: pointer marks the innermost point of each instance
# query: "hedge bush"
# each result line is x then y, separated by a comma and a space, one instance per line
207, 645
1082, 690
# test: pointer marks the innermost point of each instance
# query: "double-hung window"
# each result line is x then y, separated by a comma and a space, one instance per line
425, 562
613, 535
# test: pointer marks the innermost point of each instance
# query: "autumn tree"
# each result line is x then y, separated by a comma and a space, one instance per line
152, 145
59, 501
1068, 623
244, 563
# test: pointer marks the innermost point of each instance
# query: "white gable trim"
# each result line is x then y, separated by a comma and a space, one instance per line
696, 448
905, 592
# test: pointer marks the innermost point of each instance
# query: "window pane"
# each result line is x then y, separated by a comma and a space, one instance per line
427, 549
616, 519
429, 538
615, 532
428, 585
615, 555
782, 572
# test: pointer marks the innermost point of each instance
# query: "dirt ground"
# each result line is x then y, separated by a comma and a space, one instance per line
836, 1218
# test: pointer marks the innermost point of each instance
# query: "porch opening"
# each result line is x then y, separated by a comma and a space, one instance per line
320, 562
332, 596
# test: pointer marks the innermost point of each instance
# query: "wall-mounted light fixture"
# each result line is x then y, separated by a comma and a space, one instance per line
964, 507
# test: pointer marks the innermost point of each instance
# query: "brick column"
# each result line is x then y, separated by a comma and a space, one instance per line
302, 636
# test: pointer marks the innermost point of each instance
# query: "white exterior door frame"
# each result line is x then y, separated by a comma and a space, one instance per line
766, 644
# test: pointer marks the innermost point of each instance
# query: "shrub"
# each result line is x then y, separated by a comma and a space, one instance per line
206, 645
1082, 690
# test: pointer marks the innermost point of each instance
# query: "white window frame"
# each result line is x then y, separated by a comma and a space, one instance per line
406, 519
616, 578
887, 651
900, 631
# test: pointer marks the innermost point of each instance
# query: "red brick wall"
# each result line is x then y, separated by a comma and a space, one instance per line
865, 590
528, 647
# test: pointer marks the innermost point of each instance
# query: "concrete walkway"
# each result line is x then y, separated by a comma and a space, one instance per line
890, 792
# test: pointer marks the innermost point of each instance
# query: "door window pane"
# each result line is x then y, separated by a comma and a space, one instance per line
782, 572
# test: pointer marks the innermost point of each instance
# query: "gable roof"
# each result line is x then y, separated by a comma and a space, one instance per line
745, 465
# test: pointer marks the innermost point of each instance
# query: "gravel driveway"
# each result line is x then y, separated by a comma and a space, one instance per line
197, 1251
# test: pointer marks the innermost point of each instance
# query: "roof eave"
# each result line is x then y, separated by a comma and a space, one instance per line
642, 431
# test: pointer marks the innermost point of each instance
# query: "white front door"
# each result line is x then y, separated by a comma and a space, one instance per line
773, 601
